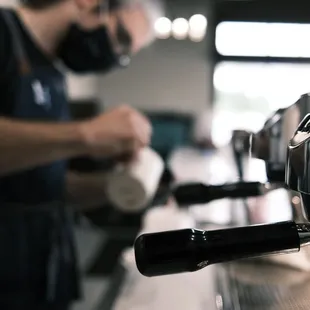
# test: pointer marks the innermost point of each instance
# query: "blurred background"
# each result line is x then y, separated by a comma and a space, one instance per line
240, 59
217, 66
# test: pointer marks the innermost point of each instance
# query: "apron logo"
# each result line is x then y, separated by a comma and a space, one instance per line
42, 96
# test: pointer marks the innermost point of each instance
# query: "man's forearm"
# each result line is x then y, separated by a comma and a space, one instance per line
28, 144
86, 190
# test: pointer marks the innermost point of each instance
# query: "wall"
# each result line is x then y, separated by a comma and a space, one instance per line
170, 75
8, 2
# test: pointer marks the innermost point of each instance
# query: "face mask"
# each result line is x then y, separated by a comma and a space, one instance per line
88, 51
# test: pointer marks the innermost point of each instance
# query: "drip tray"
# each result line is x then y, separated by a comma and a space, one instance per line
254, 285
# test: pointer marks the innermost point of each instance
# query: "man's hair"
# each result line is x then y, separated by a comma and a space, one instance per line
153, 9
113, 4
39, 4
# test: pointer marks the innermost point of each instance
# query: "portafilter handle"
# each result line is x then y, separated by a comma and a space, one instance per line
188, 250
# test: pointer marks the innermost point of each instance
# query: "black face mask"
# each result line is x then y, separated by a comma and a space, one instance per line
92, 51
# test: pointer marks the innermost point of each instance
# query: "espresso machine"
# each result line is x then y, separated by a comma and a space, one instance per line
250, 241
190, 250
270, 143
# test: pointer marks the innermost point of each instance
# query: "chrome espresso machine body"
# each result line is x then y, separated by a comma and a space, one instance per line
298, 165
270, 143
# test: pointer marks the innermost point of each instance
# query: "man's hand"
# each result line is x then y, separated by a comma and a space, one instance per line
121, 131
25, 144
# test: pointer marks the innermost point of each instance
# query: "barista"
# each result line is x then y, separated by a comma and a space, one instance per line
37, 257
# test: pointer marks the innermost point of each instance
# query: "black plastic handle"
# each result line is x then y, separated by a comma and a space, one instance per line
198, 193
189, 250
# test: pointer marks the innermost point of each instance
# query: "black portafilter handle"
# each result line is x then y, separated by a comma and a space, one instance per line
199, 193
189, 250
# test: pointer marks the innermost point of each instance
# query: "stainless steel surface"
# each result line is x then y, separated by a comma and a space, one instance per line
303, 233
270, 143
259, 286
190, 291
298, 164
268, 187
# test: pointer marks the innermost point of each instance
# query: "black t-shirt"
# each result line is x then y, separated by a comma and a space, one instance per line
9, 65
28, 241
34, 53
38, 184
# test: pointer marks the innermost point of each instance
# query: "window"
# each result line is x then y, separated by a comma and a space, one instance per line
247, 93
263, 39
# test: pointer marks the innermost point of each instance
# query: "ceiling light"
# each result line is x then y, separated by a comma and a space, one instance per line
197, 36
180, 28
197, 28
163, 28
198, 23
258, 39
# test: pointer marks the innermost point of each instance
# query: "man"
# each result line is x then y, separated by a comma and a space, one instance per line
37, 257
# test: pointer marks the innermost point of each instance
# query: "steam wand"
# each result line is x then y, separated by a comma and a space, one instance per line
189, 250
240, 139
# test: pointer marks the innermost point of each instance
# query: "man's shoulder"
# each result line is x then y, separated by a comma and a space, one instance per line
5, 41
4, 27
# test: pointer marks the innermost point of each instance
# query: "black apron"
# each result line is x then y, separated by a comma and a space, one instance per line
37, 254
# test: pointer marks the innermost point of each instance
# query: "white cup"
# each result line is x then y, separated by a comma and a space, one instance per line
130, 188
